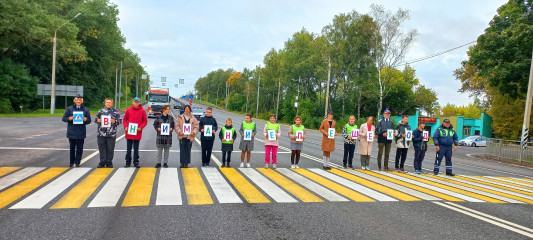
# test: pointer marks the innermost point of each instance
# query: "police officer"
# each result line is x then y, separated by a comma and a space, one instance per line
444, 137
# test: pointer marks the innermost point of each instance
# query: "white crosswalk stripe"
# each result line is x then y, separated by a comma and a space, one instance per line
168, 187
18, 176
46, 194
490, 187
113, 189
220, 186
267, 186
500, 184
316, 188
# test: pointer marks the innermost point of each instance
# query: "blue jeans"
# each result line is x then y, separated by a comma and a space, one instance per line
419, 157
135, 144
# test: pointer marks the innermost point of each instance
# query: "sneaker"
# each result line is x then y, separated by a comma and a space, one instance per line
266, 165
137, 165
420, 171
248, 165
165, 165
274, 166
328, 168
71, 165
100, 166
127, 165
325, 168
367, 168
242, 165
450, 174
397, 170
109, 166
158, 165
344, 166
379, 169
402, 170
417, 172
296, 166
363, 167
292, 166
351, 167
227, 164
435, 173
387, 169
223, 164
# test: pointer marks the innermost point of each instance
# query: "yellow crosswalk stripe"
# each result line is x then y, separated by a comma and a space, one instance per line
290, 186
387, 190
12, 194
482, 189
141, 188
334, 186
461, 191
245, 188
415, 187
195, 188
495, 185
77, 196
506, 183
517, 180
7, 170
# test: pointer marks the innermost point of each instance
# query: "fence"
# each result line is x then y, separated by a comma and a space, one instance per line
508, 149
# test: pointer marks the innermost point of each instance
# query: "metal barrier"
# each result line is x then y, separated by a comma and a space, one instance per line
508, 149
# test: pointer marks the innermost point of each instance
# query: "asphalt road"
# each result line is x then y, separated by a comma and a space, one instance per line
40, 142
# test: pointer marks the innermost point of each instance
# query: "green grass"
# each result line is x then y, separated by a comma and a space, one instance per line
36, 113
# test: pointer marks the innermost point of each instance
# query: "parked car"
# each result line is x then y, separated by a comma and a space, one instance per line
198, 112
474, 141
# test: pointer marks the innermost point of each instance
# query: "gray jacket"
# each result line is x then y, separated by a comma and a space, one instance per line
401, 129
382, 127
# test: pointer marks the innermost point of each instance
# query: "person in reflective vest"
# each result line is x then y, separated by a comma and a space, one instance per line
297, 136
444, 137
247, 146
228, 136
349, 142
272, 141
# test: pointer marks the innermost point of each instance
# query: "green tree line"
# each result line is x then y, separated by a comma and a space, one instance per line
89, 51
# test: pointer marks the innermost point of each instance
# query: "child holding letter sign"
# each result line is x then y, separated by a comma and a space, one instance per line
350, 133
186, 127
228, 136
420, 145
297, 136
164, 125
402, 143
366, 132
328, 143
272, 133
246, 145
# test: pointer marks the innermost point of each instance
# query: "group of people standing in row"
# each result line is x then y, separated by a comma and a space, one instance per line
187, 127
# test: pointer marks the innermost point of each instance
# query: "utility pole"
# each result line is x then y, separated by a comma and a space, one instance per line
327, 87
137, 86
226, 96
298, 97
116, 85
279, 90
126, 89
258, 84
527, 113
120, 86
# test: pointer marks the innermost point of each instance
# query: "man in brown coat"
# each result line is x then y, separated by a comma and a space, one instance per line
328, 140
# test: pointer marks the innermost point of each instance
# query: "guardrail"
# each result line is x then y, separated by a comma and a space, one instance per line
509, 149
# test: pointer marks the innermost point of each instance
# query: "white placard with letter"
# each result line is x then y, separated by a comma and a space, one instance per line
425, 136
132, 128
106, 121
331, 133
355, 133
208, 130
165, 129
271, 135
390, 134
228, 135
247, 135
370, 136
299, 136
187, 129
408, 135
78, 117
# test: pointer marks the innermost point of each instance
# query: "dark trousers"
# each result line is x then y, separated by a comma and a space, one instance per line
76, 150
400, 153
135, 144
207, 148
224, 159
185, 151
386, 147
348, 153
106, 148
445, 151
419, 157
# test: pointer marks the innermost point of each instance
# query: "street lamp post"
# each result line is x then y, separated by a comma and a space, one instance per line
258, 84
53, 93
327, 87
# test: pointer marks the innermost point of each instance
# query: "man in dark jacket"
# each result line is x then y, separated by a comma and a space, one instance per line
207, 141
384, 141
107, 132
77, 116
444, 137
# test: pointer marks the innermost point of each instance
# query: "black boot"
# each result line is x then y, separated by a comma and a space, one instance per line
158, 165
165, 165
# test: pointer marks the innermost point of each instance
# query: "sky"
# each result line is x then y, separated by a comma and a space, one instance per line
188, 39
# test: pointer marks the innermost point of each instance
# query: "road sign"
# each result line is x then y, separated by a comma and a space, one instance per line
61, 90
176, 85
163, 84
191, 96
163, 79
182, 81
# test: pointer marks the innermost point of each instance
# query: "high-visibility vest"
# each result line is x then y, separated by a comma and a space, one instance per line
248, 126
224, 129
296, 128
349, 129
272, 126
443, 132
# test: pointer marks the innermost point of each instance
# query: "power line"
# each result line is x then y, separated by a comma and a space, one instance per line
436, 54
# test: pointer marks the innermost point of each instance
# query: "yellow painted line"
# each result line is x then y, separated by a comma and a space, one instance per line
141, 188
481, 189
495, 185
77, 196
244, 187
197, 193
506, 183
415, 187
387, 190
12, 194
457, 190
290, 186
517, 180
334, 186
7, 170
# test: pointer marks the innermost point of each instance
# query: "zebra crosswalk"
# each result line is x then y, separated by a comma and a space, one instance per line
64, 188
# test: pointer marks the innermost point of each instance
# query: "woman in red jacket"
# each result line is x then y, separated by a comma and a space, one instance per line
134, 122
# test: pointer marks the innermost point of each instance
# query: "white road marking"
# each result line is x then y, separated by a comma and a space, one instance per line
490, 187
96, 152
315, 187
221, 188
113, 189
168, 187
215, 159
500, 184
510, 181
46, 194
18, 176
267, 186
